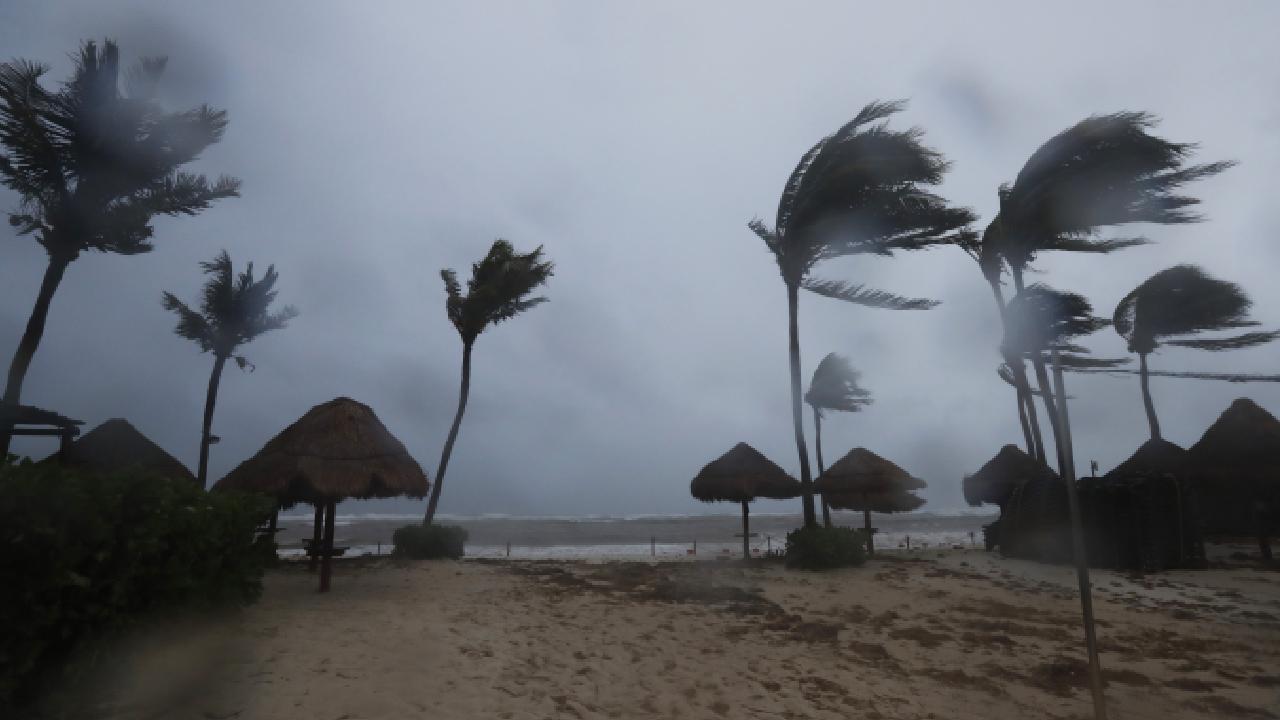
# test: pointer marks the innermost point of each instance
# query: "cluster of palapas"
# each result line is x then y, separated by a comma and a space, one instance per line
867, 189
97, 159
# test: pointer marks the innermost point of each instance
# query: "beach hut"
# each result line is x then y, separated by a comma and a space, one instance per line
1142, 514
862, 480
742, 475
29, 421
1236, 470
997, 480
117, 446
338, 450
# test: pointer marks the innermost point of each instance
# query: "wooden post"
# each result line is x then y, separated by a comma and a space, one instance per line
653, 546
866, 519
64, 445
1068, 473
746, 533
316, 530
327, 550
275, 521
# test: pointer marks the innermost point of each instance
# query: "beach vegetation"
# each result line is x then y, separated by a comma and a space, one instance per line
819, 547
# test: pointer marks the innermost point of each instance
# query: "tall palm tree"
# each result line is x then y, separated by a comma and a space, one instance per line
860, 190
93, 163
834, 387
234, 309
498, 290
1171, 308
1105, 170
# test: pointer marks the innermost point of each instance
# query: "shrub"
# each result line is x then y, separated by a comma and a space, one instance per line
85, 555
428, 542
822, 548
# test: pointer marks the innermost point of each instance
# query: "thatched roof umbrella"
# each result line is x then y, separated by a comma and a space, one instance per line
1155, 457
1236, 465
116, 445
742, 475
995, 481
862, 480
338, 450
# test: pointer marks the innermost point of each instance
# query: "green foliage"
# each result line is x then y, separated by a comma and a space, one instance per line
429, 542
824, 548
87, 555
498, 290
234, 309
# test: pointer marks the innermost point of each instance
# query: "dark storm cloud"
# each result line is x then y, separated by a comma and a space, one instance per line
378, 146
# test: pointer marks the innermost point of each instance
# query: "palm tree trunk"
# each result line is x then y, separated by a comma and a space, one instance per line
1050, 407
746, 532
797, 416
210, 399
30, 341
1152, 420
453, 434
1025, 423
817, 448
1027, 415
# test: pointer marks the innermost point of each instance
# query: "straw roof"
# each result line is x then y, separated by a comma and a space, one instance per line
115, 446
1244, 436
31, 415
1236, 467
862, 471
337, 450
1001, 475
742, 475
1155, 457
878, 502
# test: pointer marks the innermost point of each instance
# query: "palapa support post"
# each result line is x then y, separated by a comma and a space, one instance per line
653, 546
327, 549
746, 533
1068, 474
871, 543
316, 535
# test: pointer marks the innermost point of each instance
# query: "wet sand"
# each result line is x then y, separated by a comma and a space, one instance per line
955, 634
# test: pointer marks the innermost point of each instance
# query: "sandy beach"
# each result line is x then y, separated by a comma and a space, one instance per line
955, 634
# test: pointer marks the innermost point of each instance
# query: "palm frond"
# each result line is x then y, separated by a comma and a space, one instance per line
1237, 342
1184, 300
498, 290
867, 297
1040, 318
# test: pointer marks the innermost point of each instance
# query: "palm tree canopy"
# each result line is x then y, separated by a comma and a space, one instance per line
498, 290
1041, 318
835, 386
234, 309
1184, 300
861, 190
93, 161
1104, 170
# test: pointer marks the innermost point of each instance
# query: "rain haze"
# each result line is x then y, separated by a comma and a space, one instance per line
633, 143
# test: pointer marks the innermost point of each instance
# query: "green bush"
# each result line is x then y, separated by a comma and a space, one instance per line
823, 548
85, 555
428, 542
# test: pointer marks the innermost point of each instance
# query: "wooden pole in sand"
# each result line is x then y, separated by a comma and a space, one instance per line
746, 534
1068, 474
326, 549
316, 531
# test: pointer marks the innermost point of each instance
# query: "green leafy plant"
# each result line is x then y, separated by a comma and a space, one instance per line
823, 548
429, 542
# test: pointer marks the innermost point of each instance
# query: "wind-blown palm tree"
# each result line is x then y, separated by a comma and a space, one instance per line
498, 290
834, 387
93, 164
234, 309
860, 190
1173, 306
1104, 171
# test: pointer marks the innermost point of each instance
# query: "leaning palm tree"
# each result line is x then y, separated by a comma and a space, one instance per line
498, 290
834, 387
1104, 171
860, 190
1173, 306
93, 163
234, 309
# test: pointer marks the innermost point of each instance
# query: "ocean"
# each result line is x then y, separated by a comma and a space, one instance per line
631, 537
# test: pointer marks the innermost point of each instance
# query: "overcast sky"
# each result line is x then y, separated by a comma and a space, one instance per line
634, 141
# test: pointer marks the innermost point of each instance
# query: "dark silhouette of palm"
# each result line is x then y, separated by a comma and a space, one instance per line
834, 387
1175, 305
860, 190
234, 309
93, 163
498, 290
1106, 170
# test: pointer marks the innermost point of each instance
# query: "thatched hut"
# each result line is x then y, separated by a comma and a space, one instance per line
117, 446
338, 450
29, 421
1236, 468
742, 475
996, 483
862, 480
1142, 514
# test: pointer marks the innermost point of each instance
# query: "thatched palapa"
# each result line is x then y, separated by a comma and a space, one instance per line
995, 481
862, 480
742, 475
117, 446
1236, 468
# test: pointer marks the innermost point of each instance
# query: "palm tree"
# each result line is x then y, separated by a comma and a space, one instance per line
1103, 171
834, 387
498, 290
234, 309
1173, 306
860, 190
93, 164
